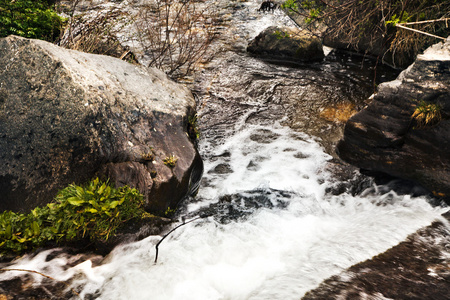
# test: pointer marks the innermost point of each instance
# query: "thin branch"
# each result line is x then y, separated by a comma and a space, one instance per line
419, 31
167, 234
428, 21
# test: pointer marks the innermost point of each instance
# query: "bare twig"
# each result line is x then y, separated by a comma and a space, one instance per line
167, 234
427, 21
175, 35
419, 31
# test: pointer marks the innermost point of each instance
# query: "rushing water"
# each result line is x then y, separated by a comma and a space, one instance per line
273, 231
277, 235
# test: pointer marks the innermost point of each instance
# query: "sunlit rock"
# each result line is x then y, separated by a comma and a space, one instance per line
67, 116
405, 131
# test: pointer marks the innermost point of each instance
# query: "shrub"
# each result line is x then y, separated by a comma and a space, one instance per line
427, 114
94, 211
193, 131
30, 19
97, 33
175, 34
373, 22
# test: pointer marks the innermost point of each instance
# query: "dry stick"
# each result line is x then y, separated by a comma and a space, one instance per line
46, 276
167, 234
125, 54
428, 21
419, 31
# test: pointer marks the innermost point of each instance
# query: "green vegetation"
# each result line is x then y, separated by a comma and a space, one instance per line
193, 131
169, 212
170, 161
372, 24
427, 114
94, 212
30, 18
281, 35
149, 156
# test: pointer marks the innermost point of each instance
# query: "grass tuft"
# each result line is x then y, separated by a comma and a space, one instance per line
427, 114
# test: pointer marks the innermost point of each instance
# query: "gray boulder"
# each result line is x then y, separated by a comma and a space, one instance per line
288, 44
385, 137
67, 116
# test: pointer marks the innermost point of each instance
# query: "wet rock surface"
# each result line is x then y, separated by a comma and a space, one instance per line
385, 137
418, 268
288, 44
67, 116
294, 95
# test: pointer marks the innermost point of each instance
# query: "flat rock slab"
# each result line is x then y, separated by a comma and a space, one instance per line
416, 269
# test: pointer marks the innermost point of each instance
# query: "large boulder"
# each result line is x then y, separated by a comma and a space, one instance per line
288, 44
67, 116
386, 137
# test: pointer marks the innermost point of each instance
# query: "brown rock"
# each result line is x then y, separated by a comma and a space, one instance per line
287, 43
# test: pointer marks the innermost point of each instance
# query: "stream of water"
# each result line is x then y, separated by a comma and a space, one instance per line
274, 230
276, 235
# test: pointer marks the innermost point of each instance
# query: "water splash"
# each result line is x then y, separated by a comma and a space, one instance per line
275, 252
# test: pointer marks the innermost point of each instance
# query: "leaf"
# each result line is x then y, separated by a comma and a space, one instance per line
107, 191
8, 232
80, 191
75, 201
35, 227
22, 240
114, 204
92, 210
101, 189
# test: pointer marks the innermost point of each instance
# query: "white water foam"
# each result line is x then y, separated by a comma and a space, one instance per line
277, 253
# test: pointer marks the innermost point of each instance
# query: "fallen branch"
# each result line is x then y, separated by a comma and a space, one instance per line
428, 21
167, 234
419, 31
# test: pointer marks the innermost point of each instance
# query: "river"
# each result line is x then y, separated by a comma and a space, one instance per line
276, 226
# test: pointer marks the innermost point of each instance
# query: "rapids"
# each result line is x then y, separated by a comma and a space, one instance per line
273, 230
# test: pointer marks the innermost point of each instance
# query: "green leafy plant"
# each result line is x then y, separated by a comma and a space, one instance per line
193, 131
94, 212
30, 18
170, 161
169, 212
281, 35
396, 19
148, 156
427, 114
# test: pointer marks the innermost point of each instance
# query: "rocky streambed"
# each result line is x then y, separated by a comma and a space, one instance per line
282, 212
